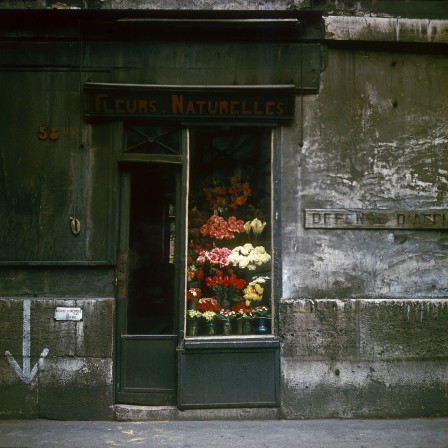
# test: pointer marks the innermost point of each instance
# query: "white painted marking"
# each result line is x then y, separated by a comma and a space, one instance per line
26, 374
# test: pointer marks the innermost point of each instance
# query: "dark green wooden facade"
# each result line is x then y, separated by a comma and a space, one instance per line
61, 168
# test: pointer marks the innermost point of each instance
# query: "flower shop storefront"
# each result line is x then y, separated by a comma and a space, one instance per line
197, 251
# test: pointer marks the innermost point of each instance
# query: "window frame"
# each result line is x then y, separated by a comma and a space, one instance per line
254, 340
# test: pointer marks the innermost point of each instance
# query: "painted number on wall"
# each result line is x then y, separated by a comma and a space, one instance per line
51, 133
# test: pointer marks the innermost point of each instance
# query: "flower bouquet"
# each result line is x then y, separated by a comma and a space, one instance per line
226, 316
193, 319
193, 296
249, 257
210, 322
244, 318
263, 314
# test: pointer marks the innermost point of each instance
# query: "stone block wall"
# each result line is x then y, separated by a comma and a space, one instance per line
74, 381
364, 358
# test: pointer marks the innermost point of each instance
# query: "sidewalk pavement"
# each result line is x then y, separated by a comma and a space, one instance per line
412, 433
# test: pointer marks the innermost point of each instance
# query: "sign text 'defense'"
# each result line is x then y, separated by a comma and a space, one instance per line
375, 219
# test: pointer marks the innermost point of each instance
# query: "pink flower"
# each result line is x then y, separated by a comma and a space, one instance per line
217, 256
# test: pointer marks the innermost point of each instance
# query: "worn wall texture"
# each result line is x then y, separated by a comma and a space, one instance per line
364, 314
74, 380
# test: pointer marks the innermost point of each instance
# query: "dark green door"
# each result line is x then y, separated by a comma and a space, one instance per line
147, 286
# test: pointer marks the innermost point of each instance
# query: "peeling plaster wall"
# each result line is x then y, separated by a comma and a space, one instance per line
375, 137
364, 314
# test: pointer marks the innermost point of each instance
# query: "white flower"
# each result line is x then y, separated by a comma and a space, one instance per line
249, 257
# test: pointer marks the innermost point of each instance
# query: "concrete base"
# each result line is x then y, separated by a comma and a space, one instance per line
130, 413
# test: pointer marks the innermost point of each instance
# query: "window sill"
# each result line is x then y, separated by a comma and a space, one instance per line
233, 342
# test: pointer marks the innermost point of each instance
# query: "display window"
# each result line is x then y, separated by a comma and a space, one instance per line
229, 247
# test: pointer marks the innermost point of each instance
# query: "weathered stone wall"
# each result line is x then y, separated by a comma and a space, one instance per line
75, 378
364, 358
364, 314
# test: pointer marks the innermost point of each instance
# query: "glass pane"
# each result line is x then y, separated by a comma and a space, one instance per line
152, 140
151, 249
229, 231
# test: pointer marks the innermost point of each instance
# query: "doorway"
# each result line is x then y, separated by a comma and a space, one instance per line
147, 284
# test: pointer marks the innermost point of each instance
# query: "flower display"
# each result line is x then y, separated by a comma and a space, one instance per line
194, 293
231, 280
262, 311
253, 292
217, 227
249, 257
217, 256
221, 259
208, 304
226, 315
245, 313
233, 196
194, 314
255, 226
209, 315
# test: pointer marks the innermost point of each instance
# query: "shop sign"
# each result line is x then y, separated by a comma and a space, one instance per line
189, 103
436, 219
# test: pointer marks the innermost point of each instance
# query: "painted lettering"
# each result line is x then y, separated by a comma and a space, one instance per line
257, 111
234, 107
153, 106
119, 106
131, 109
270, 107
190, 108
142, 106
400, 219
100, 100
439, 218
316, 218
245, 110
223, 107
177, 104
212, 107
280, 108
200, 105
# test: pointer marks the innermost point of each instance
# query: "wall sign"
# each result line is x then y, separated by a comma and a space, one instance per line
64, 313
131, 101
376, 219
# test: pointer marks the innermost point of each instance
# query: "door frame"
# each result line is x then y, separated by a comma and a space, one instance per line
160, 345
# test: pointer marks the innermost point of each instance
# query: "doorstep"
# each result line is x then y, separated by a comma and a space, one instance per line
132, 413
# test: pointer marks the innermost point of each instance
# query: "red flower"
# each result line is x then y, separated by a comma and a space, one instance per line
218, 228
241, 309
208, 304
194, 293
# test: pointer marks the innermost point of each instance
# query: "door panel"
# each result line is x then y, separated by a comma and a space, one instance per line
147, 285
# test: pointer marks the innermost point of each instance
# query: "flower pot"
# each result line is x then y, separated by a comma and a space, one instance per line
247, 326
262, 327
193, 327
210, 328
226, 328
